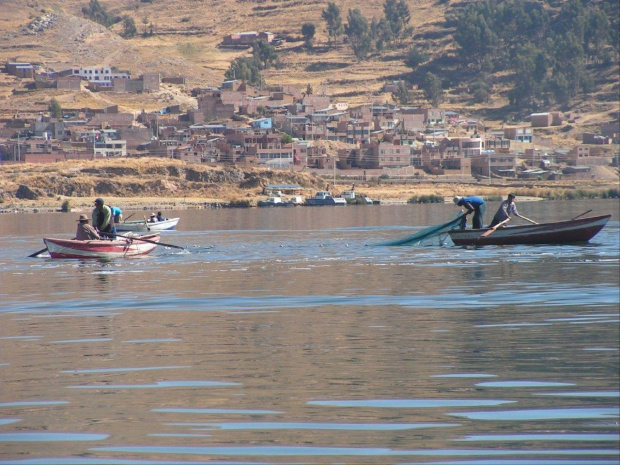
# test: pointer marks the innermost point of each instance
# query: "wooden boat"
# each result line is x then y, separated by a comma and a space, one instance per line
118, 248
562, 232
325, 198
147, 226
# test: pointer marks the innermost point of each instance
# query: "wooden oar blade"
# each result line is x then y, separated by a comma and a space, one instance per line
36, 254
140, 238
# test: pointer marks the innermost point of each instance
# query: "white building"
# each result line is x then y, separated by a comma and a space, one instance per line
101, 75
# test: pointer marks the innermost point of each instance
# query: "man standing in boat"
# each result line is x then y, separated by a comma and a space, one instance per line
85, 232
473, 205
103, 219
506, 209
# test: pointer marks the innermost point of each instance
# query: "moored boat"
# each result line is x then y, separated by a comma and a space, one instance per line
147, 226
118, 248
325, 198
561, 232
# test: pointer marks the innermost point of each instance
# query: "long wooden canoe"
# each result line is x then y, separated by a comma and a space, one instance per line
562, 232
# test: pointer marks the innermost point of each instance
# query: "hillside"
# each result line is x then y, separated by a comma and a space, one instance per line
185, 38
156, 183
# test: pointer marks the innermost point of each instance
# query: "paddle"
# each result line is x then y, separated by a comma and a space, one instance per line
125, 219
494, 228
579, 216
36, 254
139, 238
146, 223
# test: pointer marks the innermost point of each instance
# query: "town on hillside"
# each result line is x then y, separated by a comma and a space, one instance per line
283, 127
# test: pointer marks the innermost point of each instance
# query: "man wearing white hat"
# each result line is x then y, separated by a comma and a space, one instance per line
473, 205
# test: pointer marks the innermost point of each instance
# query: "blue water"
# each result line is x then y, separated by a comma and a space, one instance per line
286, 337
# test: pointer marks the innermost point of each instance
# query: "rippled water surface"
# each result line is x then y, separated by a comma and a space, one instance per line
285, 336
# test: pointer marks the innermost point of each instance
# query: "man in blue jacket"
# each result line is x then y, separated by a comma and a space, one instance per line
473, 205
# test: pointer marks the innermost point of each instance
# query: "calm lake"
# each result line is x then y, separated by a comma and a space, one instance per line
285, 336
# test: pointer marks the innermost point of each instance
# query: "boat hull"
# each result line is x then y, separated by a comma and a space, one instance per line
119, 248
563, 232
326, 202
146, 227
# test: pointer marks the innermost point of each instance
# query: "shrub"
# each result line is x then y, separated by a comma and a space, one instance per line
432, 198
65, 206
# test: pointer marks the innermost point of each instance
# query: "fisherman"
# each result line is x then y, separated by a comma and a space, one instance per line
103, 219
160, 217
506, 209
85, 232
153, 218
118, 214
474, 205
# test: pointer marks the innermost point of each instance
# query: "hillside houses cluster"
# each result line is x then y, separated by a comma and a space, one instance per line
237, 123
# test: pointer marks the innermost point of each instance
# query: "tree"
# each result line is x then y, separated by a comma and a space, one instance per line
264, 53
333, 20
433, 91
397, 16
129, 27
402, 95
308, 30
415, 57
245, 69
357, 30
95, 12
55, 109
309, 89
286, 138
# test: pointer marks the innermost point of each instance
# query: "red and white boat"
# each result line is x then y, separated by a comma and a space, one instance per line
118, 248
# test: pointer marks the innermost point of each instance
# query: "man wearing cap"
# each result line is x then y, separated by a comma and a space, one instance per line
506, 209
473, 205
85, 232
103, 219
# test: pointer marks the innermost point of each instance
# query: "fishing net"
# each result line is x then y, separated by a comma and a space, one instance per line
433, 235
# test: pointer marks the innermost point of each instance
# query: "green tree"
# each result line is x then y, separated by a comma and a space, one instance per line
55, 109
264, 54
433, 90
357, 30
415, 57
95, 12
308, 30
245, 69
402, 94
334, 22
397, 15
286, 138
129, 27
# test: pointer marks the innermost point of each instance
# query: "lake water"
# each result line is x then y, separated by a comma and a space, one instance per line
285, 336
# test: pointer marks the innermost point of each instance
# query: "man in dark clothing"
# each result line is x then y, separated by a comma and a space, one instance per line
103, 219
474, 205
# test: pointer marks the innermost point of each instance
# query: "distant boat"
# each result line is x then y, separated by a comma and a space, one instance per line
147, 226
118, 248
275, 201
562, 232
325, 198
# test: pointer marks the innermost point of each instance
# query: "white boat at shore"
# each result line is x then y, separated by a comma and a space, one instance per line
147, 226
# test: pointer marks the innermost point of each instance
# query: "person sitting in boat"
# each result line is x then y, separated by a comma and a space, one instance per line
103, 219
474, 205
160, 217
85, 232
506, 209
153, 218
118, 215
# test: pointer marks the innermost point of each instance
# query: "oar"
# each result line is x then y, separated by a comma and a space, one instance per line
494, 228
125, 219
139, 238
146, 223
36, 254
579, 216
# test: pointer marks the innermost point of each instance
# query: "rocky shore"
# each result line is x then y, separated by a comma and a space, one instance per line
163, 184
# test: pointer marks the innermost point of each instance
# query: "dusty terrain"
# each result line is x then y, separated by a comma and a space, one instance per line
171, 184
185, 39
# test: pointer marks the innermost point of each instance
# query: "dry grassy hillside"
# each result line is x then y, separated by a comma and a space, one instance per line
185, 38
